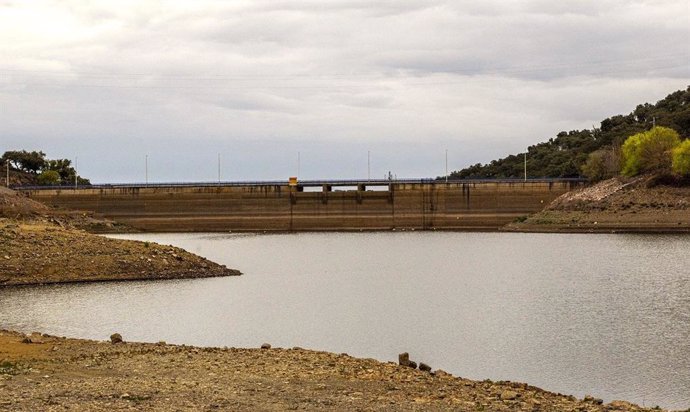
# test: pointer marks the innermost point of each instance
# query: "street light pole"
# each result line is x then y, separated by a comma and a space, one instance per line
525, 166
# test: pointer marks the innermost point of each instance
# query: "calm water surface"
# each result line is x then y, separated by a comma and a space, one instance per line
607, 315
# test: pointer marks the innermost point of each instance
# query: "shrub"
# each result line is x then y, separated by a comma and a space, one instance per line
649, 151
601, 164
48, 178
681, 159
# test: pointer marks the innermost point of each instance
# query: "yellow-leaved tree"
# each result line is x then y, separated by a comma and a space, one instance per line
681, 158
649, 151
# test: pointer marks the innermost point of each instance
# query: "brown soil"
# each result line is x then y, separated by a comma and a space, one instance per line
40, 245
34, 252
68, 374
643, 204
17, 206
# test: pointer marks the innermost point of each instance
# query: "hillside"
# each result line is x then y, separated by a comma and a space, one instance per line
647, 203
564, 155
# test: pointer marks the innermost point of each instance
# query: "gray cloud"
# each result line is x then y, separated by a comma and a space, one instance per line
406, 79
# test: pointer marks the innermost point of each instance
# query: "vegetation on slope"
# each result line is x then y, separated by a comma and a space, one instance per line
567, 153
33, 168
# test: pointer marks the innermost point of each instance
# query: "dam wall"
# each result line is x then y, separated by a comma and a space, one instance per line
483, 205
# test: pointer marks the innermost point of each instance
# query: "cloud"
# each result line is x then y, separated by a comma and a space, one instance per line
493, 76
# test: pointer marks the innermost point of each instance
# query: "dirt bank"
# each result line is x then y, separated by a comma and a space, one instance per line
643, 204
39, 245
70, 374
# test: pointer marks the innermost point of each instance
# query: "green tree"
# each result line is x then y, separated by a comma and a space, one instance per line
681, 159
30, 162
649, 151
63, 167
48, 178
565, 154
602, 164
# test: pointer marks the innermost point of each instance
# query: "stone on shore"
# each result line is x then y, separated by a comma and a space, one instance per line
116, 338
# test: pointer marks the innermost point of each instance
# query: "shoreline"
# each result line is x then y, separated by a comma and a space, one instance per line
40, 371
42, 253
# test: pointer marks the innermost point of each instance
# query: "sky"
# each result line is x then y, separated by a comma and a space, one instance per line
351, 88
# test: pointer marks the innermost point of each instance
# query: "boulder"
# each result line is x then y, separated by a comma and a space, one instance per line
266, 346
116, 338
404, 359
424, 367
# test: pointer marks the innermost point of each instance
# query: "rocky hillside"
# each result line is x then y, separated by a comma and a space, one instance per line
648, 203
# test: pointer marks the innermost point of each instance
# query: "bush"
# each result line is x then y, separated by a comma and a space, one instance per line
649, 151
601, 164
48, 178
681, 159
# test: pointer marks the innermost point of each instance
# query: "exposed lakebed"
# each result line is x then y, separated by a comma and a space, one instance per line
607, 315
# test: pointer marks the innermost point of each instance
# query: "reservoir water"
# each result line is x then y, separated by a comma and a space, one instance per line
607, 315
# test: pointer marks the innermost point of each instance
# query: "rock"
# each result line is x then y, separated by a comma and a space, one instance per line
412, 364
620, 406
508, 395
26, 340
404, 359
116, 338
424, 367
266, 346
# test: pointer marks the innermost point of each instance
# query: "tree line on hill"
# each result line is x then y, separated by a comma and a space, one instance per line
34, 168
594, 153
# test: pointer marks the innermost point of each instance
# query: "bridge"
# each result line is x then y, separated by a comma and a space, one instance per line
425, 204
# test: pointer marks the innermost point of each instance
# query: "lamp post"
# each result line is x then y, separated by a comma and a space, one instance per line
525, 166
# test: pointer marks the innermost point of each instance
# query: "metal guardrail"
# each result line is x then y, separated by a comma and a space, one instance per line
303, 183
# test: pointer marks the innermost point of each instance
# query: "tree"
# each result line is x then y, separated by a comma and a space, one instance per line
565, 154
63, 167
602, 164
681, 158
48, 178
30, 162
649, 151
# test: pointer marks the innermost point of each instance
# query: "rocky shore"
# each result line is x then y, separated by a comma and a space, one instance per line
645, 204
39, 245
41, 253
40, 372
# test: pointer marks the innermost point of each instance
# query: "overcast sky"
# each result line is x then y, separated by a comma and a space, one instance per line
259, 81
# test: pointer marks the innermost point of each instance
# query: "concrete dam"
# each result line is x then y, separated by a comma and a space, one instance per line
312, 205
